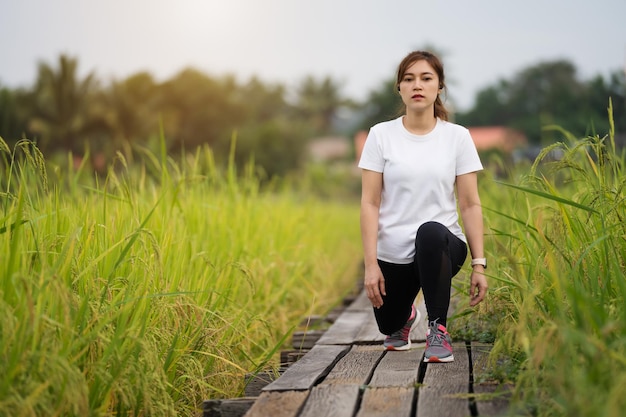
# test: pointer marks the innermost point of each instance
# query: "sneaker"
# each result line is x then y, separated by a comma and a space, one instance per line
401, 340
438, 344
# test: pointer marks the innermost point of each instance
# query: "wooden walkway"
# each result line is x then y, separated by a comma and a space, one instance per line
347, 373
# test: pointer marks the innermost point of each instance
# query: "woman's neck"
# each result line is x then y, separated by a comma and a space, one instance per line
419, 123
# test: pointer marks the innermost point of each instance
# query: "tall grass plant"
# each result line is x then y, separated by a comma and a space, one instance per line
558, 241
157, 287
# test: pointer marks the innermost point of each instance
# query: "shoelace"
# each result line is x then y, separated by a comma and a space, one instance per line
436, 337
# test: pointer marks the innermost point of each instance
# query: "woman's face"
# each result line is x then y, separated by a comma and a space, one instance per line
419, 86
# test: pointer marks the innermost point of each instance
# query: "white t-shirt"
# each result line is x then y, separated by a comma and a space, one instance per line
419, 174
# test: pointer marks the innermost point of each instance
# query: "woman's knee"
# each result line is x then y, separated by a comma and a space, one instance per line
431, 233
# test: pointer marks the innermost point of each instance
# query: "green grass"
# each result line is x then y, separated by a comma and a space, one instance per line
157, 288
556, 308
164, 284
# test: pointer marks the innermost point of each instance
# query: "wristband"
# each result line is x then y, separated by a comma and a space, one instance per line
480, 261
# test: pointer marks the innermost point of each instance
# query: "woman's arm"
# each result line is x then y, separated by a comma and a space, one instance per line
472, 216
372, 184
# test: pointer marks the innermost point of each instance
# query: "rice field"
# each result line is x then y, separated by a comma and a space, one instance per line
160, 286
556, 234
163, 284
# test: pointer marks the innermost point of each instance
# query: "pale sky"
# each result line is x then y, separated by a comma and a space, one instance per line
357, 42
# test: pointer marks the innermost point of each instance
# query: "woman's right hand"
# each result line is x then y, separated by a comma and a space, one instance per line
375, 285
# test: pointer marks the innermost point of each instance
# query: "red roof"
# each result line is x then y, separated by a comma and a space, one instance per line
497, 137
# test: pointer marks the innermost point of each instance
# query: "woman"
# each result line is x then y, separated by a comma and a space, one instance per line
412, 240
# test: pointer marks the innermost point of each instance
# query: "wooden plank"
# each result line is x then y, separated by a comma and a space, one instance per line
418, 333
289, 357
492, 398
445, 389
331, 401
305, 339
278, 404
360, 303
345, 329
254, 383
388, 401
369, 332
313, 366
355, 367
398, 369
313, 321
235, 407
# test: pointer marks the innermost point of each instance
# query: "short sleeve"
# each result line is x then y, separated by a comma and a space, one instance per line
372, 156
467, 159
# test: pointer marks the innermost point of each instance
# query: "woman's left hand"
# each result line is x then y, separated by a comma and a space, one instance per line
478, 285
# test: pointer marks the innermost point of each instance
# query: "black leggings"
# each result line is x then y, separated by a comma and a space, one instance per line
439, 256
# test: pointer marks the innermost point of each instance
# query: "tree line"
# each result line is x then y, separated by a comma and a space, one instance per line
63, 112
545, 94
550, 93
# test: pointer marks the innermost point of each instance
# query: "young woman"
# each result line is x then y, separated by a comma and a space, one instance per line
412, 240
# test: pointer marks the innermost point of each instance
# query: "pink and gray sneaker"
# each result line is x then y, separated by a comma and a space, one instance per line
438, 344
401, 340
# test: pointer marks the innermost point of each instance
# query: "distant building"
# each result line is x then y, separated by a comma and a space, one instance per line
497, 138
329, 149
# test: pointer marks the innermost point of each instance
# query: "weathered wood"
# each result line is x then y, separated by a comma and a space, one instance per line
306, 339
445, 389
398, 369
347, 373
235, 407
278, 404
334, 314
349, 299
357, 325
492, 398
331, 401
360, 303
289, 357
345, 329
355, 367
313, 366
254, 383
418, 333
368, 331
313, 321
388, 401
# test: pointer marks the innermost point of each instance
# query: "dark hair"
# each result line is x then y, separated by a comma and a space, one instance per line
440, 110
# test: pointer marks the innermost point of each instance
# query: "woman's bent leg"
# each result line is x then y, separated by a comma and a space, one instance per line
401, 286
439, 257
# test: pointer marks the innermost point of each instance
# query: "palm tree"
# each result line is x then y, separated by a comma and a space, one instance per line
130, 110
60, 105
318, 102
